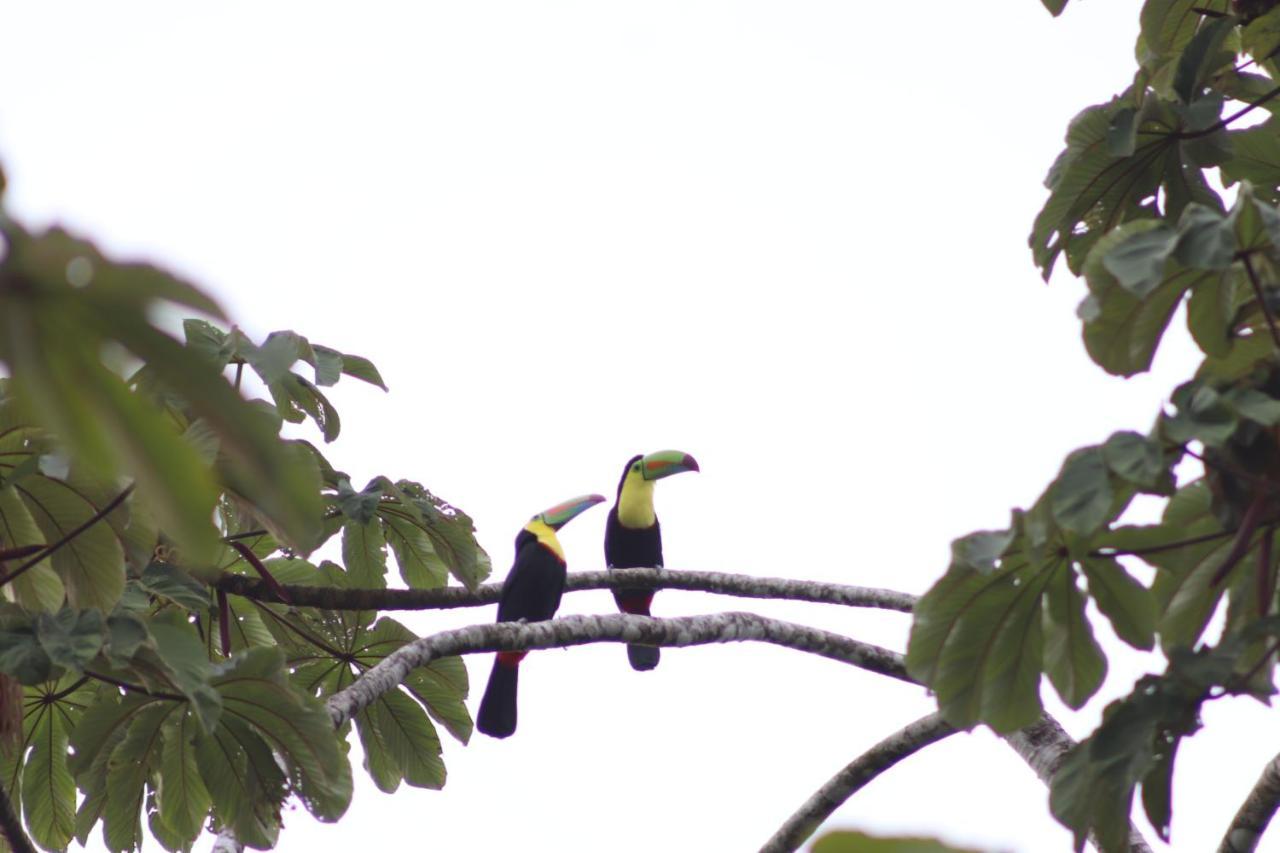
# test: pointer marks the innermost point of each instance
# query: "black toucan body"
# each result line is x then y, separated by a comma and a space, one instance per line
531, 593
633, 538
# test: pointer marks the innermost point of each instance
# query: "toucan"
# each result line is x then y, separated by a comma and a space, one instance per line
531, 593
632, 538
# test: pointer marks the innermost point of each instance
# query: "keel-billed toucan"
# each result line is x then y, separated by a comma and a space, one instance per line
632, 538
531, 593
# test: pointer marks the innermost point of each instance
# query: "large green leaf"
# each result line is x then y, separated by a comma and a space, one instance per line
441, 686
1073, 659
185, 664
364, 553
255, 689
130, 763
420, 565
38, 588
71, 637
245, 785
48, 789
91, 564
1129, 606
182, 797
1121, 330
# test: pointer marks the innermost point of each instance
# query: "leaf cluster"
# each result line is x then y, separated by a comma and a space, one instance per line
134, 471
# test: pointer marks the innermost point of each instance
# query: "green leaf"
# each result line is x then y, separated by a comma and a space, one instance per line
1128, 605
1140, 461
1074, 660
1210, 310
126, 632
1081, 497
363, 369
410, 739
420, 566
1255, 157
186, 665
848, 841
1254, 405
1206, 238
127, 771
364, 553
245, 785
977, 642
255, 690
1122, 331
171, 583
361, 506
440, 686
71, 638
38, 588
48, 790
208, 340
1138, 261
182, 797
276, 355
328, 365
1055, 7
91, 565
1202, 56
22, 656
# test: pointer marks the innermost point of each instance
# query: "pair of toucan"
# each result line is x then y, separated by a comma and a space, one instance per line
531, 592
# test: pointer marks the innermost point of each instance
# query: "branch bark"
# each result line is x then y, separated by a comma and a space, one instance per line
1255, 812
11, 825
742, 586
854, 777
1041, 745
610, 628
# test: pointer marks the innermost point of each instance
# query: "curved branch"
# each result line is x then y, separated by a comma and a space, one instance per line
611, 628
1043, 745
11, 826
442, 598
853, 777
1255, 812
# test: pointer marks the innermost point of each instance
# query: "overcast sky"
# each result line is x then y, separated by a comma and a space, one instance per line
786, 237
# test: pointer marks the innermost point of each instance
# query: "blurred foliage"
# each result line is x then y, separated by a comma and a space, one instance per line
134, 470
1164, 199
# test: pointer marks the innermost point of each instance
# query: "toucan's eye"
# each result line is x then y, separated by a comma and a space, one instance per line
635, 467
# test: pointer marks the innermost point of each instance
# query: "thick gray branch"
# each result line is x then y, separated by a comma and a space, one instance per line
743, 586
611, 628
1255, 813
1043, 745
226, 842
853, 777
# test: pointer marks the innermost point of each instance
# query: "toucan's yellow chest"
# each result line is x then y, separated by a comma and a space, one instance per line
635, 503
546, 536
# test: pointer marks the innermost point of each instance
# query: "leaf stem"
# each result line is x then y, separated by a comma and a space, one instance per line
134, 688
1262, 300
89, 522
1156, 549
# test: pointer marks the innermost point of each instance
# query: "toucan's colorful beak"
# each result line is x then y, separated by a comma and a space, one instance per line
664, 463
561, 514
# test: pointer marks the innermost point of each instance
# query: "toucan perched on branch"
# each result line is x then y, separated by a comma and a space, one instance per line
632, 538
531, 593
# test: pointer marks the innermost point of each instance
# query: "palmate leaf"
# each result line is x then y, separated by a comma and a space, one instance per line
245, 785
1073, 659
255, 690
47, 788
364, 553
1122, 329
441, 686
977, 642
183, 800
91, 565
450, 530
127, 769
38, 588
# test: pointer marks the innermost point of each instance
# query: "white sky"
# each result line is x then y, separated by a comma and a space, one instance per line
787, 237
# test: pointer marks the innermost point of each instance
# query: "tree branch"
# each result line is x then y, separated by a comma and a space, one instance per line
610, 628
442, 598
11, 825
1255, 812
854, 777
1043, 745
